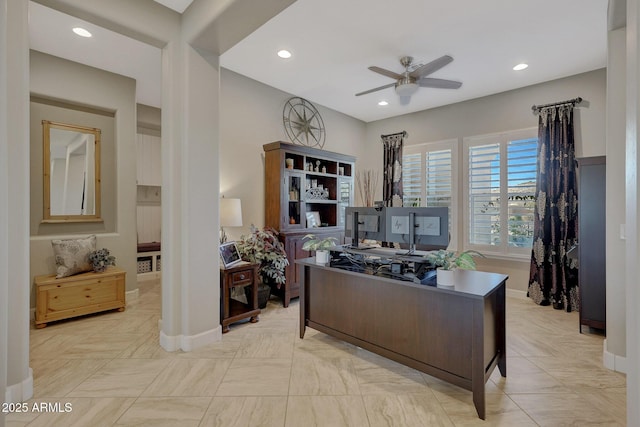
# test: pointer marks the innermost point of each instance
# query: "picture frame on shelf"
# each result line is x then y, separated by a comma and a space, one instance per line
313, 219
229, 254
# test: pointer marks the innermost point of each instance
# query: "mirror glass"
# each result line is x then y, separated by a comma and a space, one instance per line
71, 170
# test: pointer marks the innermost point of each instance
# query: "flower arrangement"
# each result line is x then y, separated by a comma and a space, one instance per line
264, 248
101, 259
449, 260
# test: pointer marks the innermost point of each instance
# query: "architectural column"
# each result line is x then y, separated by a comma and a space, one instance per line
190, 278
614, 356
14, 199
632, 181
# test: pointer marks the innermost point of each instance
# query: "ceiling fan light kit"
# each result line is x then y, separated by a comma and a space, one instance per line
409, 82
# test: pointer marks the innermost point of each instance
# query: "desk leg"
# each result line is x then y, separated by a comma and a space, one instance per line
303, 299
501, 333
477, 359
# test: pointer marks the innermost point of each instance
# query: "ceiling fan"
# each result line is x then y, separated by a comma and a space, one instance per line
408, 82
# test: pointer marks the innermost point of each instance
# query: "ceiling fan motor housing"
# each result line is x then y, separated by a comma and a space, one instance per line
406, 86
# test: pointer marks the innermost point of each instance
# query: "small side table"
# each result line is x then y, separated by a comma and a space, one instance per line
231, 310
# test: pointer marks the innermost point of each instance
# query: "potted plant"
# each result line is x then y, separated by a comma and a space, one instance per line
448, 261
320, 246
264, 248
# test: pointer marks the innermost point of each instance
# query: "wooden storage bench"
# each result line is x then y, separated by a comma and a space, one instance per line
78, 295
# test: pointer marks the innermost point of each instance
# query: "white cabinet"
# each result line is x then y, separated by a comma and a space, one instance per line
148, 160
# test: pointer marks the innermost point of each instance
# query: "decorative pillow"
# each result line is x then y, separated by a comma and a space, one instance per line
72, 255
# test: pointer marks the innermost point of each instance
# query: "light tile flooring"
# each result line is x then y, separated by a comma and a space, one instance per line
112, 371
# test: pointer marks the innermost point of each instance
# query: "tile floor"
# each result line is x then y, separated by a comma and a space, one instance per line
112, 371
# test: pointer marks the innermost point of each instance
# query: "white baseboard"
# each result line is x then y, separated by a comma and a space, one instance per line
190, 342
20, 392
613, 361
514, 293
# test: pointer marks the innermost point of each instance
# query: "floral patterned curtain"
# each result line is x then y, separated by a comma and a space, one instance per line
392, 171
553, 280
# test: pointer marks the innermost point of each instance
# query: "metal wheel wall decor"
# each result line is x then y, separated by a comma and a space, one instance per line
303, 123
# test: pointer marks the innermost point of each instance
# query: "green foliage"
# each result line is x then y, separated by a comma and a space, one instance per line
314, 243
449, 260
264, 248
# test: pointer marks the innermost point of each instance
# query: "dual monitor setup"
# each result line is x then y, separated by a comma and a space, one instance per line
413, 228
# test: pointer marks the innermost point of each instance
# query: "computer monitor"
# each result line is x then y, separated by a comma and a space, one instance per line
368, 223
418, 226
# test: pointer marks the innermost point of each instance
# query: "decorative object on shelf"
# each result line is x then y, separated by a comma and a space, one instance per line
320, 246
341, 170
316, 193
448, 261
264, 248
367, 182
313, 219
324, 169
289, 163
230, 215
303, 123
101, 259
317, 168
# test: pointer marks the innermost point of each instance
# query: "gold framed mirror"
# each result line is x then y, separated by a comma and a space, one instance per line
71, 171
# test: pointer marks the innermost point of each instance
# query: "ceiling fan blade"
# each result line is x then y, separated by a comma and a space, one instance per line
439, 83
386, 72
431, 67
376, 89
404, 100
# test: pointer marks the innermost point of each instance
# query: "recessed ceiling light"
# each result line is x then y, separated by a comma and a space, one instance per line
520, 67
284, 54
81, 32
383, 103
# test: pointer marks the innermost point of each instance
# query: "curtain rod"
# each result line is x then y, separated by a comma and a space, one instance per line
403, 133
574, 101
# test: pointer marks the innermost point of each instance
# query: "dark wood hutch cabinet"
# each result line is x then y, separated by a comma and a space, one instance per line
304, 186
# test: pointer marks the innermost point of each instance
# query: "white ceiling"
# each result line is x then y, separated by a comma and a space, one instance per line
334, 41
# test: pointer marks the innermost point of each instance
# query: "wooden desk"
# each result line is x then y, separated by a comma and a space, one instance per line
231, 310
457, 335
77, 295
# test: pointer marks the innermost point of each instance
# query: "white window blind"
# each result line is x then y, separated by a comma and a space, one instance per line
438, 178
429, 179
501, 182
521, 175
484, 194
412, 179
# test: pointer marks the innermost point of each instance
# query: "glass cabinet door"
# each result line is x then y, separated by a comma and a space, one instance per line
293, 194
345, 196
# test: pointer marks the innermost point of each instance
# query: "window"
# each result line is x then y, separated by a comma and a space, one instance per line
501, 176
429, 178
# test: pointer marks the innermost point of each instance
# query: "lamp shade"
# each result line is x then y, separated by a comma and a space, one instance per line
230, 213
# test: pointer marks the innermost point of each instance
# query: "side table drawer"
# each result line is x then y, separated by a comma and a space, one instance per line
241, 278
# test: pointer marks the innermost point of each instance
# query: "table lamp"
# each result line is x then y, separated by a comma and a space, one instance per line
230, 215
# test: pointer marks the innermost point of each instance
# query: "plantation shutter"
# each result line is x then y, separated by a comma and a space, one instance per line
521, 188
484, 194
411, 179
438, 179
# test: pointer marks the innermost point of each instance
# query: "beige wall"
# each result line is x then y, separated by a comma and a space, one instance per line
251, 116
73, 83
